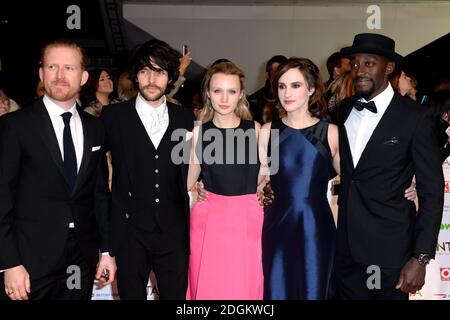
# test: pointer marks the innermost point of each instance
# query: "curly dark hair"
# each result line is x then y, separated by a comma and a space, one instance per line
160, 53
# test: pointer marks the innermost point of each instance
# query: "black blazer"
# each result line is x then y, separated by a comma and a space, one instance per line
134, 158
36, 204
380, 225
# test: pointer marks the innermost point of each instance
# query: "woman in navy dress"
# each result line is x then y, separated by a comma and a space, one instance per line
299, 232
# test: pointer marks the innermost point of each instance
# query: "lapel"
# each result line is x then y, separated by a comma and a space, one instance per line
387, 121
47, 133
345, 109
88, 139
131, 127
173, 121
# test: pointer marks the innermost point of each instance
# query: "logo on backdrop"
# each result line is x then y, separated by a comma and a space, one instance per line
441, 296
445, 274
152, 291
447, 187
443, 247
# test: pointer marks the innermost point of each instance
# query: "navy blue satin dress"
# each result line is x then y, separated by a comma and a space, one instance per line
298, 241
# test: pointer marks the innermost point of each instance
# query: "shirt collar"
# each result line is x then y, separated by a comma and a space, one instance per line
143, 106
383, 99
55, 110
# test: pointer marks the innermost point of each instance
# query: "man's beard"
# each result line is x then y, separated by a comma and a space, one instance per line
148, 97
364, 93
59, 93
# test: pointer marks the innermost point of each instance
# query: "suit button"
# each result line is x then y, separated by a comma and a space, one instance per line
156, 170
156, 185
156, 200
127, 216
156, 156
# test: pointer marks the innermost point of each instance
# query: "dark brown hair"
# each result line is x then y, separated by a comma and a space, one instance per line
311, 73
160, 53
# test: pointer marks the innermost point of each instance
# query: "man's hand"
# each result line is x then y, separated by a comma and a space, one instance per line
411, 193
17, 283
185, 61
202, 193
412, 276
260, 195
106, 269
269, 195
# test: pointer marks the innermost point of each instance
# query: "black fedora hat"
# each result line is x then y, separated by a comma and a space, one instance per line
373, 43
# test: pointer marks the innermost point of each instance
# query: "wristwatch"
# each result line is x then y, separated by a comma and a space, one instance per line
422, 258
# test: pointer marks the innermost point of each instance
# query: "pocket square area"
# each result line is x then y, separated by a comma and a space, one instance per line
96, 148
391, 141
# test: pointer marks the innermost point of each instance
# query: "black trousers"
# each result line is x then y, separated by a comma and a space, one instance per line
71, 279
144, 252
356, 281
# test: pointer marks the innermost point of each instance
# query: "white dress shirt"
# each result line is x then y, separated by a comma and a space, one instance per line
155, 120
361, 124
76, 127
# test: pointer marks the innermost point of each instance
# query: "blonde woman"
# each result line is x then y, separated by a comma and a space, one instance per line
225, 230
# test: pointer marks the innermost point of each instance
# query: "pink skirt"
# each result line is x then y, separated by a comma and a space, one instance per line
225, 261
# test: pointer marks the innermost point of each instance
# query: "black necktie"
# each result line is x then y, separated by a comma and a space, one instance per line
359, 105
70, 158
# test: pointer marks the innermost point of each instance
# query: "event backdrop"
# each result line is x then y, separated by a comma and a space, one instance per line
437, 282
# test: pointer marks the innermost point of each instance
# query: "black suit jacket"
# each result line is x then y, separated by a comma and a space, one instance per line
380, 225
133, 187
36, 204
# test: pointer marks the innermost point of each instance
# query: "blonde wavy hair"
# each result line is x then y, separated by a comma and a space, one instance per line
227, 68
342, 87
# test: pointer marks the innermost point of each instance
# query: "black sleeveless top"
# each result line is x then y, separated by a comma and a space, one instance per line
229, 158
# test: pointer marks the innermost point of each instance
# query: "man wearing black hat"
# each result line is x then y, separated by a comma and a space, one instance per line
385, 139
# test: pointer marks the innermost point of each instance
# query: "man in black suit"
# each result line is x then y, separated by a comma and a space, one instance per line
385, 139
150, 203
53, 197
